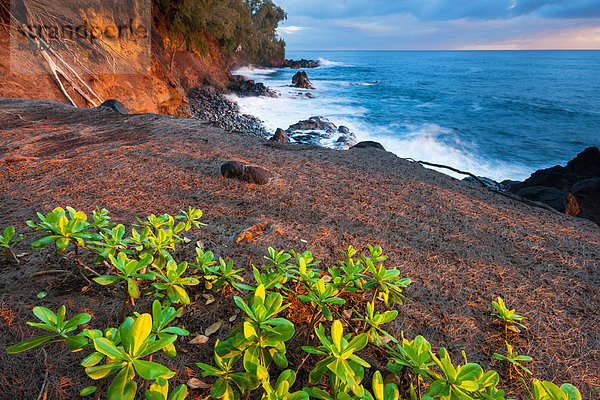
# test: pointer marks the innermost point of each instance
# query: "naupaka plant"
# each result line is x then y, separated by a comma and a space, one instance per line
344, 368
63, 228
509, 318
514, 359
7, 238
124, 354
59, 328
261, 338
171, 280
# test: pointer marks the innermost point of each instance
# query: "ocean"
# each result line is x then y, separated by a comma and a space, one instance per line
497, 114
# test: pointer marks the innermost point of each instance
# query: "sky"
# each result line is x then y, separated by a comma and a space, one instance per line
440, 24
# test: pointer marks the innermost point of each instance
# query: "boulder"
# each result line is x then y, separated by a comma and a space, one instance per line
300, 80
280, 136
580, 177
246, 173
313, 123
297, 64
344, 129
249, 88
369, 144
551, 196
115, 105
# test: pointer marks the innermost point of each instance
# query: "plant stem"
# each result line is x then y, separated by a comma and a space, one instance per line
125, 307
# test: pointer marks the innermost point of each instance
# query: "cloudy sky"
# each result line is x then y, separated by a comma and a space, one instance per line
441, 24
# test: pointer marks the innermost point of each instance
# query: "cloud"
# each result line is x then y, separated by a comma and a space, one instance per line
290, 30
440, 24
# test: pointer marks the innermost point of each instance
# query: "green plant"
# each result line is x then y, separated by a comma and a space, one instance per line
322, 295
63, 231
466, 381
225, 374
506, 316
218, 276
6, 239
173, 282
344, 368
387, 283
374, 320
514, 359
112, 242
549, 391
125, 352
381, 391
161, 318
159, 390
262, 336
191, 217
127, 270
58, 325
282, 388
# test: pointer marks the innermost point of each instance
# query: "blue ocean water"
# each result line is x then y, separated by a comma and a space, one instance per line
500, 114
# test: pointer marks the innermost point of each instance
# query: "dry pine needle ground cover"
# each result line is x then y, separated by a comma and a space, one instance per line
462, 245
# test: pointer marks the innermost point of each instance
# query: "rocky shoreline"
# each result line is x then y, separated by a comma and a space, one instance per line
209, 105
573, 189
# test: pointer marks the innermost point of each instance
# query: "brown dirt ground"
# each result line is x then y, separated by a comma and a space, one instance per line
462, 245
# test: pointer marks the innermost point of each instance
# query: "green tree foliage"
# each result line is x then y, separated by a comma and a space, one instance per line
251, 24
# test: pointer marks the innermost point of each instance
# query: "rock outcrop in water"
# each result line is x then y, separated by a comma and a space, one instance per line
552, 186
249, 88
320, 131
297, 64
300, 80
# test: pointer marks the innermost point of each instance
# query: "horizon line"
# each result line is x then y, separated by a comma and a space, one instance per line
442, 49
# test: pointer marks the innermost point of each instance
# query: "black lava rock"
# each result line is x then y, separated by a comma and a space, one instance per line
246, 173
115, 105
369, 144
280, 136
300, 80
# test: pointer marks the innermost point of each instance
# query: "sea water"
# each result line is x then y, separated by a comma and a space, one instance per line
498, 114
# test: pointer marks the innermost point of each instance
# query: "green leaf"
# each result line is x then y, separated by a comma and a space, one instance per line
45, 315
157, 345
29, 344
77, 320
109, 349
179, 393
106, 280
87, 391
174, 330
44, 241
133, 288
104, 370
123, 387
92, 359
76, 342
140, 330
150, 370
571, 391
42, 294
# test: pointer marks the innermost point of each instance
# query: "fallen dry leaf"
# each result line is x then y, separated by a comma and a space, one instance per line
200, 339
213, 328
233, 318
209, 298
252, 232
196, 383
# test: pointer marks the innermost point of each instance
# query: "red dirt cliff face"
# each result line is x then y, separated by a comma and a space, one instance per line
173, 68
